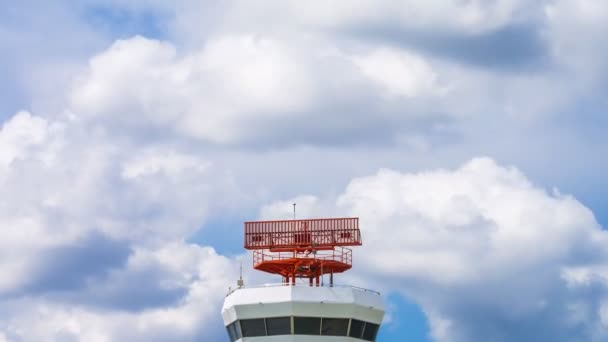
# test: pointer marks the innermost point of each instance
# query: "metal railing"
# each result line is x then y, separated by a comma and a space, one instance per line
328, 232
230, 291
340, 254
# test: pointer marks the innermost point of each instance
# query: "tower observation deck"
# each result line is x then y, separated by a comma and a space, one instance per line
307, 309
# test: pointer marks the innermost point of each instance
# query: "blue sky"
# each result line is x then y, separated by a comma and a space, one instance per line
136, 137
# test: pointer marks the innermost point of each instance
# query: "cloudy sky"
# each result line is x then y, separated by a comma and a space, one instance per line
469, 137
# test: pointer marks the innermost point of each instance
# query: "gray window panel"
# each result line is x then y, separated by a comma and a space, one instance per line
231, 332
278, 326
334, 326
234, 331
253, 327
237, 329
356, 328
307, 325
302, 326
370, 332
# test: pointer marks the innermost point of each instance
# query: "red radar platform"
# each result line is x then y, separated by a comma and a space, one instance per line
306, 248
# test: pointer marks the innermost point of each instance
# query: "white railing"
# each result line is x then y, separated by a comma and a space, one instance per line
230, 291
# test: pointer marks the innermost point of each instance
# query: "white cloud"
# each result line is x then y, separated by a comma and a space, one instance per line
472, 17
251, 89
576, 32
262, 87
204, 94
131, 77
477, 246
93, 183
18, 134
245, 79
400, 73
169, 163
300, 80
93, 246
202, 273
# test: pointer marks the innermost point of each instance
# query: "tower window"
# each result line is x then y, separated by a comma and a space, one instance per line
356, 328
334, 326
307, 325
278, 326
274, 326
234, 331
370, 332
253, 327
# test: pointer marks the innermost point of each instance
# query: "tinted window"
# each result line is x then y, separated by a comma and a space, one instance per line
370, 332
253, 327
234, 331
356, 328
231, 332
278, 326
237, 329
307, 325
334, 326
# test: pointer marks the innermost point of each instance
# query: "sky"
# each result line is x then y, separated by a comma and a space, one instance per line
468, 137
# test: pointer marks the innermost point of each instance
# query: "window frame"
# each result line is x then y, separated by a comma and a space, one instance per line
343, 320
235, 329
289, 329
244, 328
309, 318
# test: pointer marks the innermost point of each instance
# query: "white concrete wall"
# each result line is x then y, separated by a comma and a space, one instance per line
277, 301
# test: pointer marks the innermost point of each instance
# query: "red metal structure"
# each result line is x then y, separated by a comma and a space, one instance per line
303, 248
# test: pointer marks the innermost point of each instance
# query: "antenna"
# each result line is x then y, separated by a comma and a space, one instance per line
294, 211
240, 283
306, 248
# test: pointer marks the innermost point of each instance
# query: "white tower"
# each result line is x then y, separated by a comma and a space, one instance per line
309, 310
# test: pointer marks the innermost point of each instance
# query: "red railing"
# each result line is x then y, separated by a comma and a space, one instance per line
341, 255
295, 234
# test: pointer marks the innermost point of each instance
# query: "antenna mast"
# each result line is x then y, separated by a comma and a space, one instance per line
240, 283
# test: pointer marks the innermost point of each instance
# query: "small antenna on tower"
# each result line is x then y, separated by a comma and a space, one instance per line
240, 283
294, 211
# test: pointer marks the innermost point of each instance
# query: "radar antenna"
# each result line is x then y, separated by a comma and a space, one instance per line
306, 248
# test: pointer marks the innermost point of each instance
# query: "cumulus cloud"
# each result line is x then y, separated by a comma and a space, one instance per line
470, 18
19, 134
491, 34
202, 94
94, 245
486, 253
287, 84
201, 272
576, 30
400, 74
251, 89
244, 89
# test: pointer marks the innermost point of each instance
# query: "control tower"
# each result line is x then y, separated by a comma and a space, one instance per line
302, 307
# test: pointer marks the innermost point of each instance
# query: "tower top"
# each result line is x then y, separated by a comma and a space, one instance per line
306, 248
